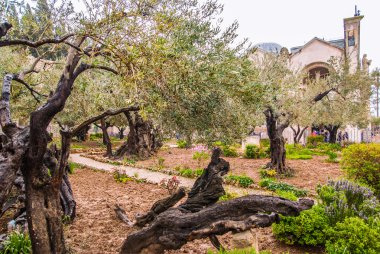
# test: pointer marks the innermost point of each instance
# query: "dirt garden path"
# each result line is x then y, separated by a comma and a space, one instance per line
151, 176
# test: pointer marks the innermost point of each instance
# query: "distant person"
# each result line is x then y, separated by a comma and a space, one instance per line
340, 137
327, 136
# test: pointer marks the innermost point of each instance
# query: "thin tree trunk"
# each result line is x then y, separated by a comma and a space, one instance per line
106, 137
297, 133
121, 132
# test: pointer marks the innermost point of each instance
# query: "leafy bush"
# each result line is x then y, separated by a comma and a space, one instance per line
239, 251
329, 147
344, 199
265, 142
314, 141
287, 194
268, 173
254, 152
243, 181
200, 156
361, 162
17, 243
120, 177
332, 157
346, 220
355, 236
266, 181
228, 196
272, 185
306, 229
229, 151
182, 144
160, 163
95, 136
188, 172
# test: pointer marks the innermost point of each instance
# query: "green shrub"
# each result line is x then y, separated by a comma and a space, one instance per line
266, 181
355, 236
198, 172
229, 151
186, 172
200, 156
17, 243
239, 251
287, 194
265, 142
306, 229
182, 144
332, 157
121, 178
95, 136
343, 199
361, 162
160, 163
254, 152
228, 196
243, 181
268, 173
314, 141
272, 185
326, 147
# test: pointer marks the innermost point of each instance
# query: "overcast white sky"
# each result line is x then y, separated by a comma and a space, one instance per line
294, 22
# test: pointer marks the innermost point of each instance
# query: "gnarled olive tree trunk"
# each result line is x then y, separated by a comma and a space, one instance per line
333, 131
143, 139
275, 128
200, 216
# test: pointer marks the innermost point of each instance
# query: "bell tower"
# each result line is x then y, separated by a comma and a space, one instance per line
352, 39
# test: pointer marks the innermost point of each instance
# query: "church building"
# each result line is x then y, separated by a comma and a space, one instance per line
313, 58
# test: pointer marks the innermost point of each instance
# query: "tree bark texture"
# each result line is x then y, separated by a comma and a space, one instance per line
277, 142
175, 227
208, 188
160, 206
106, 138
333, 131
143, 140
42, 185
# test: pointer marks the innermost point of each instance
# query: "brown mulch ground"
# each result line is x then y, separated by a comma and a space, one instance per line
307, 173
97, 229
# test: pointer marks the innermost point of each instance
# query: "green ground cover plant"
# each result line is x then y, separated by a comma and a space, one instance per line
242, 181
346, 219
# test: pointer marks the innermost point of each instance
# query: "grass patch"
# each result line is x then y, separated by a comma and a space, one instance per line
74, 166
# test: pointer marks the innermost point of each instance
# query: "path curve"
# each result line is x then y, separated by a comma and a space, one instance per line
152, 176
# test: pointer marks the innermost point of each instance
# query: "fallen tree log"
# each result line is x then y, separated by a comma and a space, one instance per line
175, 227
160, 206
